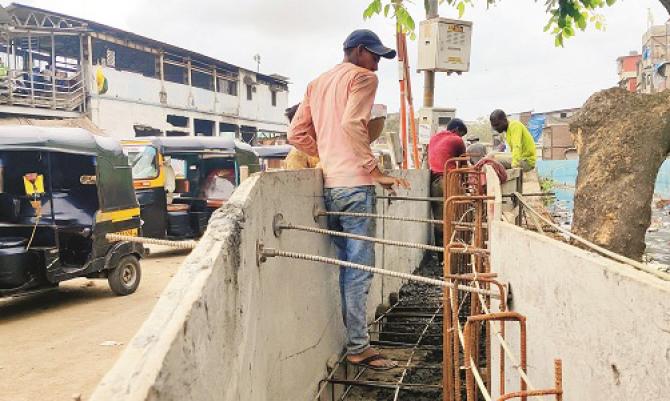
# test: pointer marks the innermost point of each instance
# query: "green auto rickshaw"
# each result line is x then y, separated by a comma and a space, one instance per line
61, 191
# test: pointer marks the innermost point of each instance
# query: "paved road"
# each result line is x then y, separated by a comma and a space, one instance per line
50, 344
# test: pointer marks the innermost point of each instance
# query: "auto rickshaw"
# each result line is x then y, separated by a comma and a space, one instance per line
180, 181
61, 191
272, 156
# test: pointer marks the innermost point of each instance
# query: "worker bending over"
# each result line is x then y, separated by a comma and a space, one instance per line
296, 159
443, 146
518, 139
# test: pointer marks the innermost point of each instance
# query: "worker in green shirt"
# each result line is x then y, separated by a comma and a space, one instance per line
518, 138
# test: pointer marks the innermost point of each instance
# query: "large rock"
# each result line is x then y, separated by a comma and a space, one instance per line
622, 139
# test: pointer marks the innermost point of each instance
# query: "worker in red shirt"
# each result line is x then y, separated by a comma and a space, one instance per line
443, 146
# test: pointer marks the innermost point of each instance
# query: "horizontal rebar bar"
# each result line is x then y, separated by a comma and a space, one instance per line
189, 244
271, 253
411, 314
380, 216
379, 384
410, 198
316, 230
441, 200
398, 344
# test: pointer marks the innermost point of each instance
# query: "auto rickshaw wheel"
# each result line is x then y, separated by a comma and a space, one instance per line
125, 277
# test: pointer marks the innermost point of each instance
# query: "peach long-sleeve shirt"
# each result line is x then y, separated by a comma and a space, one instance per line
332, 123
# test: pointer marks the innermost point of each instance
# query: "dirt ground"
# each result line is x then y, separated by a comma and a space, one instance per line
51, 344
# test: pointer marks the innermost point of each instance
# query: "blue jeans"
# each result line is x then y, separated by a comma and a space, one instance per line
354, 284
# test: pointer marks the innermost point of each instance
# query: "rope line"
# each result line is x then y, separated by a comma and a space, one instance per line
189, 244
594, 247
317, 230
269, 252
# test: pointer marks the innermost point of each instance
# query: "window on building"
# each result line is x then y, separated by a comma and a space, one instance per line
227, 130
227, 86
564, 115
175, 73
248, 133
274, 98
202, 80
145, 130
250, 90
203, 127
124, 58
177, 121
443, 121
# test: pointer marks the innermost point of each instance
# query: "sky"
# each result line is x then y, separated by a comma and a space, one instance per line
514, 64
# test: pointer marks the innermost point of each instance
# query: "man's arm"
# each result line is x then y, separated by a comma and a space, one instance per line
514, 137
301, 133
357, 115
460, 148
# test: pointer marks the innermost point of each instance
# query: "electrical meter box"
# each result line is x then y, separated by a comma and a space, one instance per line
433, 120
444, 45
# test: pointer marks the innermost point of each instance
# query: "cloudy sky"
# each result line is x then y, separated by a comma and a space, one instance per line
515, 65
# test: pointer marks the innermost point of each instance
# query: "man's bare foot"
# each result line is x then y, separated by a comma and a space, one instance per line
371, 358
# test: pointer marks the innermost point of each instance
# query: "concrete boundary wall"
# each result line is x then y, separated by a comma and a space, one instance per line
609, 323
227, 329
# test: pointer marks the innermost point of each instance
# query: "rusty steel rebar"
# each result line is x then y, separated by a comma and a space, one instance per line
463, 204
264, 253
557, 390
280, 225
469, 338
379, 216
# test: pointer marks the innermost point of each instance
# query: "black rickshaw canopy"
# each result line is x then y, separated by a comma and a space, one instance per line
114, 179
194, 144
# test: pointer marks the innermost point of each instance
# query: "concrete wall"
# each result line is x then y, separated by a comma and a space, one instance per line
609, 323
227, 329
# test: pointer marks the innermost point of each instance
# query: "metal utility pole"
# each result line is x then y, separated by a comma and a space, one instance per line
257, 59
429, 76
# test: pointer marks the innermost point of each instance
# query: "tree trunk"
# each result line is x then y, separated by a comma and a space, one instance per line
622, 139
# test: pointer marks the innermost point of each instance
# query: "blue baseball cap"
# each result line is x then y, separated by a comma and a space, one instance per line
369, 40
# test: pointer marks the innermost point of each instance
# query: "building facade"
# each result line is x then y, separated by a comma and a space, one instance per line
627, 68
58, 66
551, 131
655, 44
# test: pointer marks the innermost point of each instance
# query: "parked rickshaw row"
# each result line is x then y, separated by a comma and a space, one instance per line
63, 189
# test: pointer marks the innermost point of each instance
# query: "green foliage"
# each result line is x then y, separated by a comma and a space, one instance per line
547, 184
565, 16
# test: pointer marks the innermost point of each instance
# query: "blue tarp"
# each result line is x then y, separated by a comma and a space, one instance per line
564, 173
535, 125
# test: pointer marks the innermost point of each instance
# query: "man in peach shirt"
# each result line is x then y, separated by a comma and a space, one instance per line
332, 123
